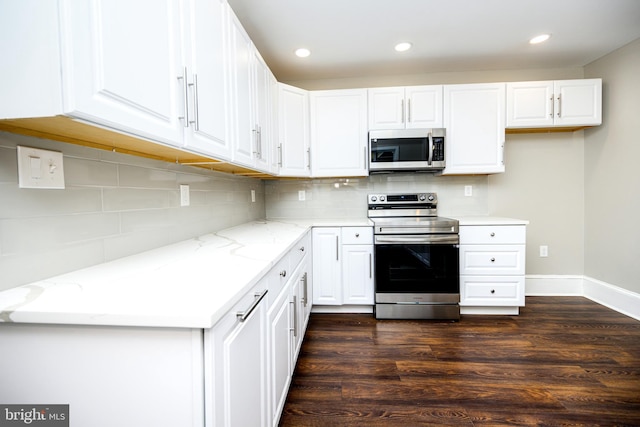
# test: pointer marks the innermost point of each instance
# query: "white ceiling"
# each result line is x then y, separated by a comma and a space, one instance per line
354, 38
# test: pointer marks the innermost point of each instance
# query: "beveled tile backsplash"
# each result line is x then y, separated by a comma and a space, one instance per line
113, 205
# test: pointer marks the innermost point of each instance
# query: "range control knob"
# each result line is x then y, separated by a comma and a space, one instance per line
382, 198
374, 198
422, 197
431, 198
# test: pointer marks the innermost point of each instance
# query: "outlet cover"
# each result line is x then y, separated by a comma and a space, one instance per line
184, 195
253, 196
301, 195
468, 190
39, 168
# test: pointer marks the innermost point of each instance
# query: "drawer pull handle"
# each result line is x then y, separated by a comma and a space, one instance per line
493, 291
243, 315
493, 260
493, 234
283, 273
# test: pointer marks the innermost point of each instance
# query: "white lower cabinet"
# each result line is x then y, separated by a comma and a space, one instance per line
236, 373
343, 266
492, 268
146, 376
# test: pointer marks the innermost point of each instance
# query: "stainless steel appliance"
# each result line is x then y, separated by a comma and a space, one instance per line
417, 272
406, 150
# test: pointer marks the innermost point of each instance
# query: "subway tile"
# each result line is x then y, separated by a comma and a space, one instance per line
30, 202
37, 234
142, 177
85, 172
122, 199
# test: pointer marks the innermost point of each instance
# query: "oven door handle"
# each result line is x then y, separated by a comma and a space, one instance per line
438, 239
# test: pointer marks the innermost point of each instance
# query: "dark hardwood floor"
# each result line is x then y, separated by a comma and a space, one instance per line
565, 361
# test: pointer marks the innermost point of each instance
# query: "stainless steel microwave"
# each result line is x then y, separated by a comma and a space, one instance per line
405, 150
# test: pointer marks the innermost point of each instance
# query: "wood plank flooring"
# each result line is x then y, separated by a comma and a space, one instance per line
565, 361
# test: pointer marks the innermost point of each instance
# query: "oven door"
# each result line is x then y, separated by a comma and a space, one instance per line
409, 270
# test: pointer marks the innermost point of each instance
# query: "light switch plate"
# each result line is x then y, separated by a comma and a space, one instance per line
39, 168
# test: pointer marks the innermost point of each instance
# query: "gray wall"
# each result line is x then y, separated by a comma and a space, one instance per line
612, 175
114, 205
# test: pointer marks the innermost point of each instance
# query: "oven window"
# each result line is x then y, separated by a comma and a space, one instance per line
417, 268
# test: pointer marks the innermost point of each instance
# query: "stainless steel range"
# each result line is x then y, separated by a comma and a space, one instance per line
417, 272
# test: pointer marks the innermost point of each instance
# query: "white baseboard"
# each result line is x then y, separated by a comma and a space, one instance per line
554, 285
614, 297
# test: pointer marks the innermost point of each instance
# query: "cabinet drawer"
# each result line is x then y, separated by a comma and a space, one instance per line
492, 234
492, 259
357, 235
300, 250
277, 278
492, 290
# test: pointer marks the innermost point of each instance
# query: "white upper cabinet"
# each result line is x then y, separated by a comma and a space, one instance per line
474, 119
251, 100
405, 107
338, 132
554, 103
293, 152
204, 55
119, 73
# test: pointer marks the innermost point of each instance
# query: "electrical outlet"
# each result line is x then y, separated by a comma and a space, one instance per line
184, 195
253, 196
40, 168
544, 251
468, 190
301, 195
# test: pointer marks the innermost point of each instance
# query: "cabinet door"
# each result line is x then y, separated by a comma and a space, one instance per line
474, 119
293, 131
238, 352
262, 115
339, 133
327, 271
120, 74
357, 274
240, 57
386, 108
424, 106
530, 104
280, 351
578, 102
205, 56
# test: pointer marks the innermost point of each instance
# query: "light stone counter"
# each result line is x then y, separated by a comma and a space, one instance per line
190, 284
489, 220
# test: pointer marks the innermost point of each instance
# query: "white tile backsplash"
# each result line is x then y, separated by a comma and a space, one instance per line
114, 205
347, 198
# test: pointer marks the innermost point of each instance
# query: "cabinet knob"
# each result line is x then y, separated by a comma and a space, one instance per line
493, 291
493, 234
302, 249
283, 273
357, 234
493, 260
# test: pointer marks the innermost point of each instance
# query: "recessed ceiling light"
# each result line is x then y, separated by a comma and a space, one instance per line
302, 52
539, 39
403, 47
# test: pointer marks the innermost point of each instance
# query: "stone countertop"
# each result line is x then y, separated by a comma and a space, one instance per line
190, 284
488, 220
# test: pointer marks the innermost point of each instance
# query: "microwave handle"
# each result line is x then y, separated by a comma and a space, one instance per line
430, 149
